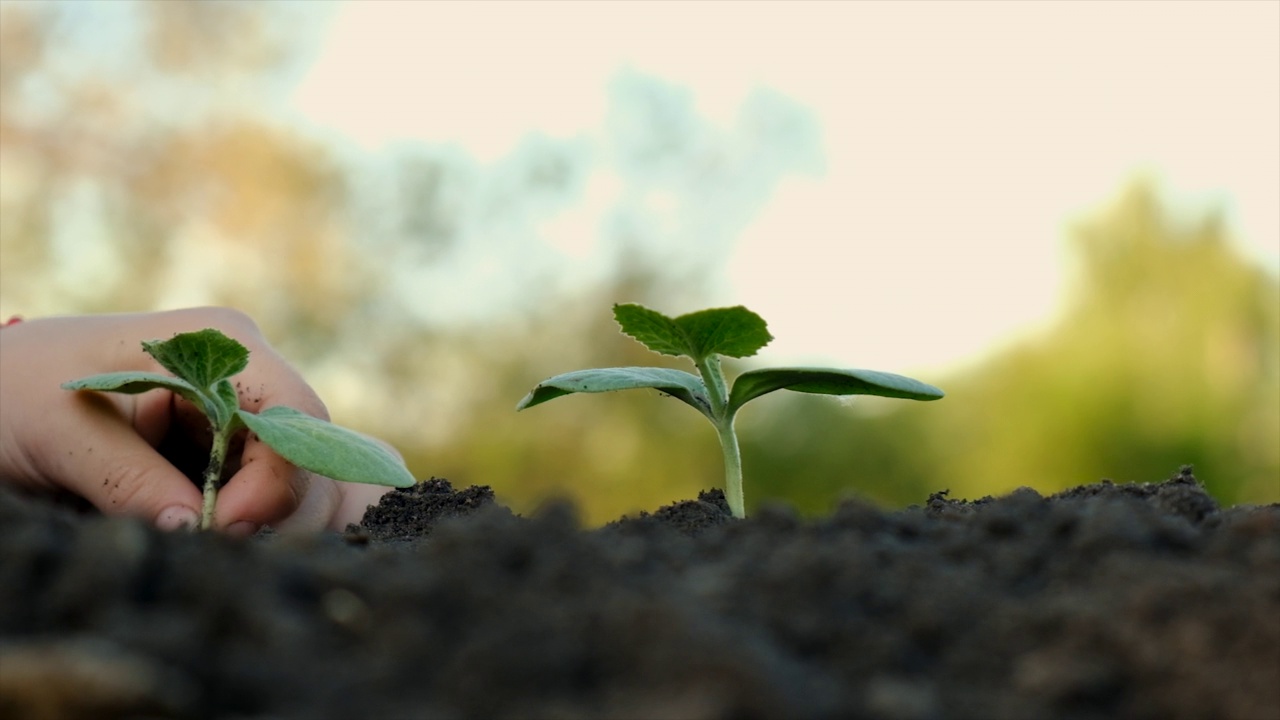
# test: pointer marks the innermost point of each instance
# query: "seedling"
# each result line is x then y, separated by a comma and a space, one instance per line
703, 337
203, 363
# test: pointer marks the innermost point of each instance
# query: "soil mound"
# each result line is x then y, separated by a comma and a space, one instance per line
1105, 601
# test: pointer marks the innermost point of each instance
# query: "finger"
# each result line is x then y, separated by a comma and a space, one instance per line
356, 499
320, 504
265, 490
113, 467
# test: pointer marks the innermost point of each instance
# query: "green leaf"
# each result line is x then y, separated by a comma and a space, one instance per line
652, 329
135, 382
732, 332
326, 449
131, 383
676, 383
827, 381
202, 358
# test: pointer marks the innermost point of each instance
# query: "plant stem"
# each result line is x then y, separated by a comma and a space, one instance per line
718, 394
732, 467
213, 476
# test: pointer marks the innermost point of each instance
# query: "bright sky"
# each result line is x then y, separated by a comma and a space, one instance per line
959, 138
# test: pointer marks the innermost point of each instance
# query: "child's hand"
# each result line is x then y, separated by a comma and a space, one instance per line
122, 453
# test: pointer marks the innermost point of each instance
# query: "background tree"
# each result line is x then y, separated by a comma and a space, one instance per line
1167, 352
115, 200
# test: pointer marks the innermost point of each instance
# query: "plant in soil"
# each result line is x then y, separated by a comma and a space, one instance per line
704, 337
202, 364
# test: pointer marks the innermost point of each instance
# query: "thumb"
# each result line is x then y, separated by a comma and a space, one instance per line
115, 468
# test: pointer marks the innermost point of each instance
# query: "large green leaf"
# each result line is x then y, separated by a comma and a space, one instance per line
677, 383
732, 332
202, 358
326, 449
827, 381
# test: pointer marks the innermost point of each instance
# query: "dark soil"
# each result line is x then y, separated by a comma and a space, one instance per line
1106, 601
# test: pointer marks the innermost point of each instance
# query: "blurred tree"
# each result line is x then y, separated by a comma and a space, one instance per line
209, 39
137, 180
1167, 353
812, 451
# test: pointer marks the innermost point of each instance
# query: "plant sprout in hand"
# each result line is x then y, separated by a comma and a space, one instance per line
202, 364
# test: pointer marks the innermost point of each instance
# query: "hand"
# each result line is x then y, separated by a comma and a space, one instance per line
125, 454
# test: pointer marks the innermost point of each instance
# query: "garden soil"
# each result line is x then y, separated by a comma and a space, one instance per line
1105, 601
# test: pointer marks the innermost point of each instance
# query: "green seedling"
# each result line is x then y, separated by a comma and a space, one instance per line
202, 363
703, 337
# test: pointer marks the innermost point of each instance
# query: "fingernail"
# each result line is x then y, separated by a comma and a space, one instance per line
242, 529
177, 517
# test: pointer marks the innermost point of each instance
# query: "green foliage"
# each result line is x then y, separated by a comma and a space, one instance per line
812, 453
1167, 353
702, 336
1165, 356
203, 363
325, 448
202, 358
133, 383
676, 383
827, 381
732, 332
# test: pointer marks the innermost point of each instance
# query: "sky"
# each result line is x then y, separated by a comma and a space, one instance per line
959, 140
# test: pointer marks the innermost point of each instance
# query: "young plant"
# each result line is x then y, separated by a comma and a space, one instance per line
703, 337
203, 363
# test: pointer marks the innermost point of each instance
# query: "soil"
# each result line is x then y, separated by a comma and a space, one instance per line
1106, 601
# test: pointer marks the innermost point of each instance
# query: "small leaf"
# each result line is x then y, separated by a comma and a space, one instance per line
676, 383
202, 358
733, 332
652, 329
135, 382
131, 383
326, 449
827, 381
